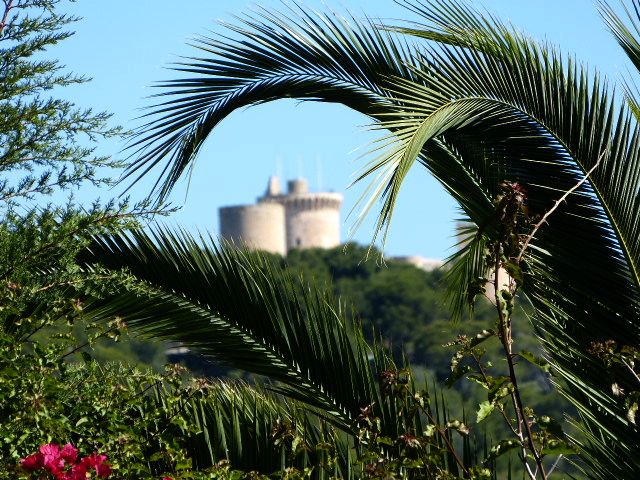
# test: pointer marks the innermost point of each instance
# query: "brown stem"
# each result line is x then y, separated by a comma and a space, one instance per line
555, 464
8, 5
88, 342
158, 382
483, 372
34, 331
502, 335
178, 412
631, 370
70, 283
506, 340
450, 447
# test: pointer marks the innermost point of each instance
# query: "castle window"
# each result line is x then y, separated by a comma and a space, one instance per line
298, 242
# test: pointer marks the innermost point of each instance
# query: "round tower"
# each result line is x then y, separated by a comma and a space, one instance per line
258, 227
312, 219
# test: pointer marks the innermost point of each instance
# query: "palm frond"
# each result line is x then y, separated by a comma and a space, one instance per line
256, 431
467, 277
301, 55
565, 121
626, 32
240, 309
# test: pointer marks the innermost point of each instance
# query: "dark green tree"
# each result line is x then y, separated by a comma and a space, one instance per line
47, 146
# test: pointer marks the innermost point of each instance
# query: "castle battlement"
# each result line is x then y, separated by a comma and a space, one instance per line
280, 222
313, 201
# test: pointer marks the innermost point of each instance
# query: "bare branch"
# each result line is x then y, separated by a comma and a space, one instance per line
8, 5
555, 206
555, 464
630, 368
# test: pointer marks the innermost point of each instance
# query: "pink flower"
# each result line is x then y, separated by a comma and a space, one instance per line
103, 470
51, 451
53, 463
32, 462
95, 461
69, 453
78, 472
60, 475
53, 459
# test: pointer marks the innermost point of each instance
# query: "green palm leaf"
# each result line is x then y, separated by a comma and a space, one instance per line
626, 33
563, 121
328, 61
254, 430
240, 309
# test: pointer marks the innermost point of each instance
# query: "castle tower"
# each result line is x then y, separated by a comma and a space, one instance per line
280, 222
312, 219
273, 187
258, 227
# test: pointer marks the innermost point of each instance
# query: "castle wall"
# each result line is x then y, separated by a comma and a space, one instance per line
426, 264
259, 227
312, 220
280, 222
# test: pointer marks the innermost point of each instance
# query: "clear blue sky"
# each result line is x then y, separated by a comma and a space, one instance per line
126, 46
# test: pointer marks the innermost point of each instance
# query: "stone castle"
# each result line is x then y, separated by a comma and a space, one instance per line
280, 222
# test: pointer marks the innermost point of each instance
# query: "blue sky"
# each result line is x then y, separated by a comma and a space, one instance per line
126, 46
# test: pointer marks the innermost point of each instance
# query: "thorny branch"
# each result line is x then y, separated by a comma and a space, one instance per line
506, 339
631, 370
555, 464
450, 447
483, 372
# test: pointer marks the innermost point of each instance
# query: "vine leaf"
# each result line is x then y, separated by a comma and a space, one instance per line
456, 374
501, 448
558, 447
551, 426
539, 362
486, 409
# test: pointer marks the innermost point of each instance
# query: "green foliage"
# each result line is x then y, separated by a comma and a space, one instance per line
411, 316
108, 409
621, 361
474, 111
257, 316
395, 301
250, 316
253, 315
47, 147
402, 305
42, 151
